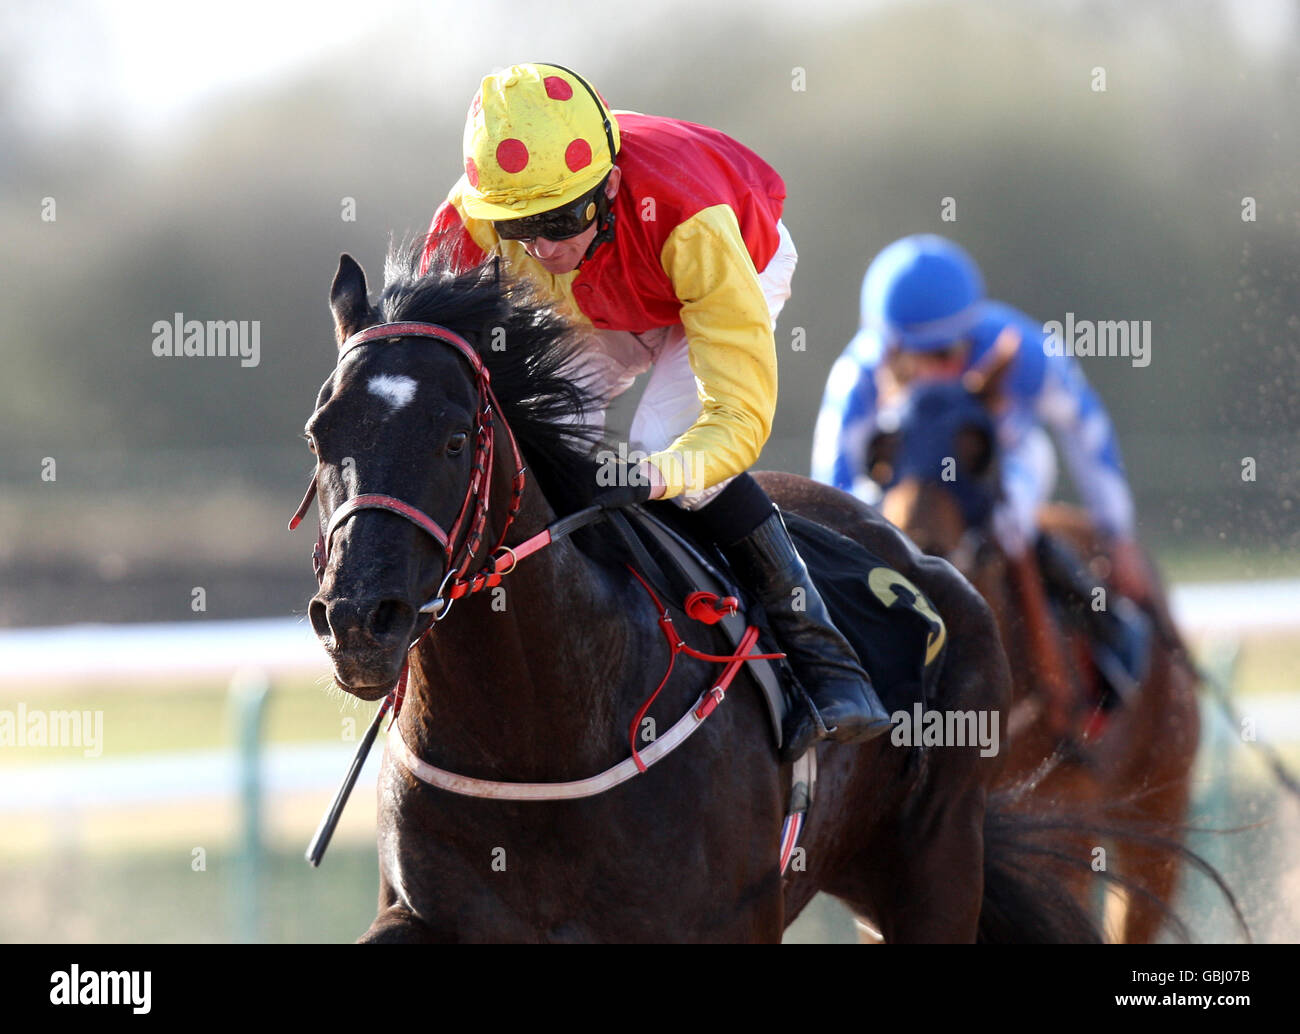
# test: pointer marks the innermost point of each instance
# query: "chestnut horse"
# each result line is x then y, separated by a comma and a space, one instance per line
1131, 765
414, 432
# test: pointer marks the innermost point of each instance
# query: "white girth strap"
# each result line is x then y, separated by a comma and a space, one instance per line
803, 777
611, 777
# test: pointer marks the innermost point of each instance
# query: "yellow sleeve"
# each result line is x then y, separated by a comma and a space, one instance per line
731, 349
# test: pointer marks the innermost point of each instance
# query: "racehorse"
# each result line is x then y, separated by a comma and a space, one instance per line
1133, 764
415, 431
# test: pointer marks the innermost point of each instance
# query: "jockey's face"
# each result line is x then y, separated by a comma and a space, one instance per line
558, 257
945, 364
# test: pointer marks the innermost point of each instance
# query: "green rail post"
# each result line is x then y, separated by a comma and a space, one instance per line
248, 694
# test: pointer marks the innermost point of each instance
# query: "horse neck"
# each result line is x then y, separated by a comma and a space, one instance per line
979, 559
528, 673
993, 578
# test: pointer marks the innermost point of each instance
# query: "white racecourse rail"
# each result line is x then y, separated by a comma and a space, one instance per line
114, 655
73, 653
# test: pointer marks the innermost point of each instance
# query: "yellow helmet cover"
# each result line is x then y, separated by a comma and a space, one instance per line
535, 138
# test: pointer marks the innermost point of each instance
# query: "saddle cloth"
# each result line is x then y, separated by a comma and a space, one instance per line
898, 635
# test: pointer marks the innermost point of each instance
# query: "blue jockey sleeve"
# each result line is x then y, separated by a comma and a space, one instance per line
1044, 388
847, 419
1068, 405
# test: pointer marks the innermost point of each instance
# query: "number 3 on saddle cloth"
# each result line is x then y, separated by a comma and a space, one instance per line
898, 635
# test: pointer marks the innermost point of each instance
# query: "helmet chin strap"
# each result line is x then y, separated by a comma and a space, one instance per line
605, 220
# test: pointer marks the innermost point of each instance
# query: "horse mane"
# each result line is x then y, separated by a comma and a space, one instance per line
525, 345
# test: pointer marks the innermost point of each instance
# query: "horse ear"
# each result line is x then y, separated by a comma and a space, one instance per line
985, 381
348, 299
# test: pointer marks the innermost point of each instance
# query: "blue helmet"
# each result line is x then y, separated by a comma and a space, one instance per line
922, 293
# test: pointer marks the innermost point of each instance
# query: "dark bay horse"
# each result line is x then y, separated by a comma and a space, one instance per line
536, 679
1133, 768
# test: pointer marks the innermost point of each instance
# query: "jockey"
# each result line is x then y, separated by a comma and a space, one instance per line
663, 240
924, 314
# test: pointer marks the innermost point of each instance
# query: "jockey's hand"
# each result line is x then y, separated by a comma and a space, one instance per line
1129, 574
632, 485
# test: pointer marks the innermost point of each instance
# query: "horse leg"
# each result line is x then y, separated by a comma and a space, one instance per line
1153, 868
1072, 789
1167, 767
927, 885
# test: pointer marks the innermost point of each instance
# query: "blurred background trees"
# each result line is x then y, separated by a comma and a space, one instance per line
197, 169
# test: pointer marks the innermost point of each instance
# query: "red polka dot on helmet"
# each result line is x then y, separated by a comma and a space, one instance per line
557, 89
512, 155
471, 172
577, 155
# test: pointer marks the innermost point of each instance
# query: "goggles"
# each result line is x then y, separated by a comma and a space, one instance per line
559, 224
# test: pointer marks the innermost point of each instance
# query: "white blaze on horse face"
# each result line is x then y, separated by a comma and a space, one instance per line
394, 389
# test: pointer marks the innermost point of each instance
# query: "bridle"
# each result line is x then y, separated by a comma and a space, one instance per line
472, 517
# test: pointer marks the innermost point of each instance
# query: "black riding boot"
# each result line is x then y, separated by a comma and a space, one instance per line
848, 708
1120, 631
748, 528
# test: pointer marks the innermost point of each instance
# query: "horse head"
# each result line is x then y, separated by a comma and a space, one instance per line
418, 472
935, 456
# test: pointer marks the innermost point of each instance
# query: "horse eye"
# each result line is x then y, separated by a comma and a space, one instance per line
311, 442
456, 443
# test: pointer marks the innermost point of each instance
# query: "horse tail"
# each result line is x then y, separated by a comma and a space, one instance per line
1025, 900
1026, 859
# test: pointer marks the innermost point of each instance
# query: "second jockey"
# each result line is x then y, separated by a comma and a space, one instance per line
925, 314
663, 239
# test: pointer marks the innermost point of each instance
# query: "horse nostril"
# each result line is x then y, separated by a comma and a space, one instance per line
344, 619
360, 623
319, 615
391, 617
